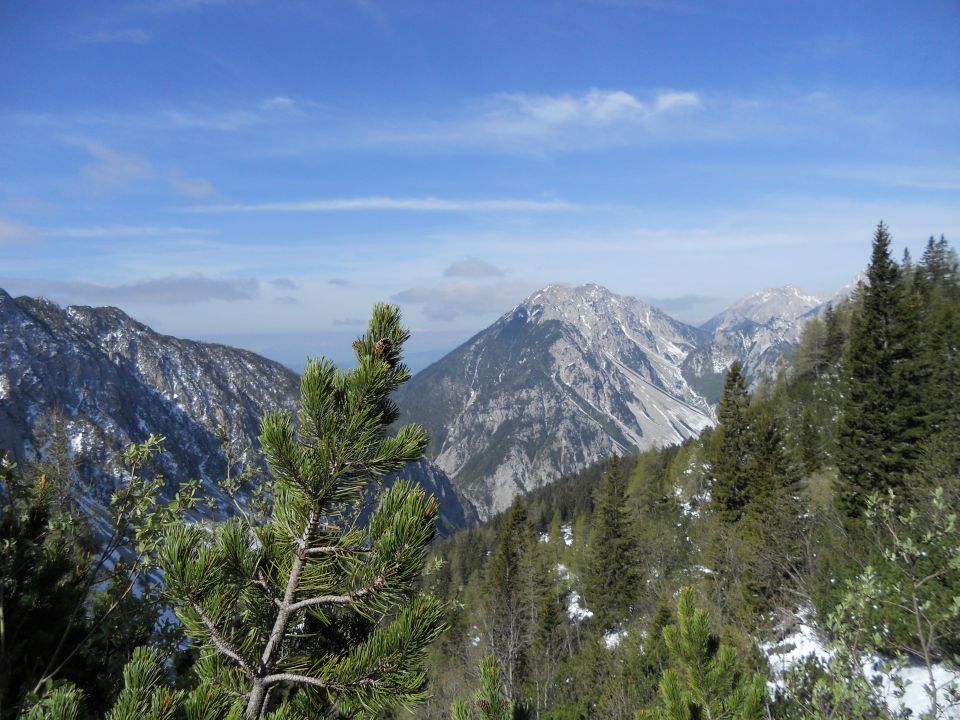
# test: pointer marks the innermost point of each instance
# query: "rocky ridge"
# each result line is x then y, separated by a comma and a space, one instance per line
117, 381
758, 330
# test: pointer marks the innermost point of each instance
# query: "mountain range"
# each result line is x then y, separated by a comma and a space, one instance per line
568, 376
573, 374
116, 381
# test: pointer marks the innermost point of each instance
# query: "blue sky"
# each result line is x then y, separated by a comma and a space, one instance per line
260, 173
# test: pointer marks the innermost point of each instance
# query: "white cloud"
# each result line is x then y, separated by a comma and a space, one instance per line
594, 108
531, 123
174, 290
422, 204
671, 100
110, 171
472, 267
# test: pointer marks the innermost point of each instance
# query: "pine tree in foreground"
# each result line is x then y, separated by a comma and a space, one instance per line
488, 700
316, 611
706, 679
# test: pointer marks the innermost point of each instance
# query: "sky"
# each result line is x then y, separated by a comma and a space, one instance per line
261, 173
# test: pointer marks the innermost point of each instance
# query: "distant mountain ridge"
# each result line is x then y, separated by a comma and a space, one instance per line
759, 330
573, 374
568, 376
117, 381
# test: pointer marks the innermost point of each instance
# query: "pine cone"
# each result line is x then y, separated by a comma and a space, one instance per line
382, 346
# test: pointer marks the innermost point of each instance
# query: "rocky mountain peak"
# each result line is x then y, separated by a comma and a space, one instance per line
770, 305
568, 376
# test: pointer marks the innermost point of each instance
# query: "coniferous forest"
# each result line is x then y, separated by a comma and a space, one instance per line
667, 584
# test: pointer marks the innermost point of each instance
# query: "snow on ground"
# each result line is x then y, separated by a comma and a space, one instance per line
575, 610
566, 531
804, 641
613, 638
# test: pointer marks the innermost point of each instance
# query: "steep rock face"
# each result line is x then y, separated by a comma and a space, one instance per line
117, 381
568, 376
758, 330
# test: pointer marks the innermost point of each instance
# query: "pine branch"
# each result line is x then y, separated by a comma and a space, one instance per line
219, 641
365, 682
339, 599
336, 550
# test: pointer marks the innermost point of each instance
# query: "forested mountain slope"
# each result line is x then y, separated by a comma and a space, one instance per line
820, 511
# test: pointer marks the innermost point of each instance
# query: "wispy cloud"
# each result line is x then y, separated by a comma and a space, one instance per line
945, 178
283, 283
121, 231
528, 122
126, 36
422, 204
472, 267
271, 111
521, 112
196, 188
453, 300
110, 170
181, 290
13, 232
339, 282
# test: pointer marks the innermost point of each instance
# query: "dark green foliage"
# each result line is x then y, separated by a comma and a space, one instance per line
731, 452
43, 579
882, 418
488, 702
612, 578
315, 611
705, 678
510, 587
65, 613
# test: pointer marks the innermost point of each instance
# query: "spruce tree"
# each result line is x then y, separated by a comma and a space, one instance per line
731, 452
881, 413
940, 350
612, 577
316, 610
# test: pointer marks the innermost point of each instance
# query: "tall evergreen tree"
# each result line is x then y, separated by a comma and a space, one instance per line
511, 596
730, 456
881, 413
613, 576
316, 610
